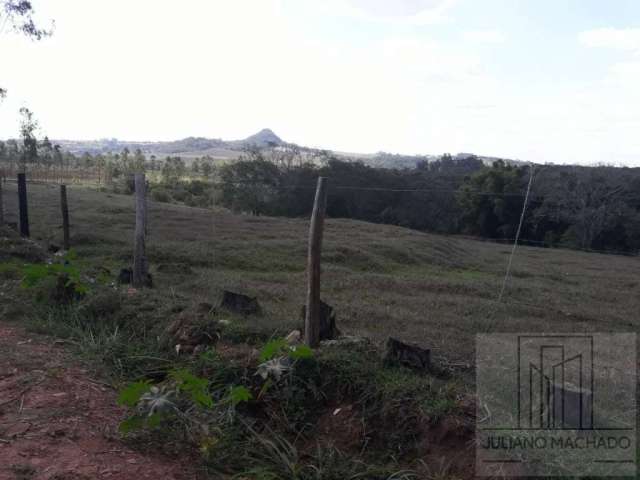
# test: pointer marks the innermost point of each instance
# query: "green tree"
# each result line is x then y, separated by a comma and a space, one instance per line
492, 200
173, 170
58, 159
28, 127
207, 169
18, 15
100, 163
139, 161
250, 186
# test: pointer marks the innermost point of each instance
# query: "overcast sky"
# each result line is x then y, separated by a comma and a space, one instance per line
540, 80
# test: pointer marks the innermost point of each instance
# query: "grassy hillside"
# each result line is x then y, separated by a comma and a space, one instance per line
344, 413
384, 280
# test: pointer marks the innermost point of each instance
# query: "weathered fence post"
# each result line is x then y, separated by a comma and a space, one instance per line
312, 316
139, 277
1, 201
65, 217
22, 200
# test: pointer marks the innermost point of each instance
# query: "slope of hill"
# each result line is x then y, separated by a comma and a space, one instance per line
383, 281
264, 138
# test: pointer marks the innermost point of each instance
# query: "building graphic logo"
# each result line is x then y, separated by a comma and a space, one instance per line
556, 405
556, 390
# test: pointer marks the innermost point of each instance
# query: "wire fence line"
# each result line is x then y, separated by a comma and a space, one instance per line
509, 240
330, 187
157, 207
376, 189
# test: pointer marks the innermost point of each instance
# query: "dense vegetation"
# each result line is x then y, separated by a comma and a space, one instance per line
577, 207
580, 207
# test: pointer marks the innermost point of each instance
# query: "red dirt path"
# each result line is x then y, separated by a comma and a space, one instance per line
56, 423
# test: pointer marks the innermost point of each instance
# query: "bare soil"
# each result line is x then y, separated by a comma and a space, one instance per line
57, 423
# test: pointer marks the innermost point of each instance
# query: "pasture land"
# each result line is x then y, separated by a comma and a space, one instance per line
344, 414
384, 281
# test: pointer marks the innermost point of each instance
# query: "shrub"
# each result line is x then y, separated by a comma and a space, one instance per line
192, 201
58, 283
161, 195
9, 271
178, 398
197, 187
102, 304
180, 194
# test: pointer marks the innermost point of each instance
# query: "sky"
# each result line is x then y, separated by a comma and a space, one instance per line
536, 80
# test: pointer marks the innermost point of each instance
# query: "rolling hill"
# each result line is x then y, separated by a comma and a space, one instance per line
218, 149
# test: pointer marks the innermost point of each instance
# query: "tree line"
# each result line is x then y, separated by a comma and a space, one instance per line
580, 207
571, 206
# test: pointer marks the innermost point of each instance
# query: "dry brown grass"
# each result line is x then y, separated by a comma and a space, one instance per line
436, 290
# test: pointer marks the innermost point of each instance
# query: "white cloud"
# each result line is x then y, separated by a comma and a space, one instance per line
427, 61
626, 71
484, 36
627, 39
408, 12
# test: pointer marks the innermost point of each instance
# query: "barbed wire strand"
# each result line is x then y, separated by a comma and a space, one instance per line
471, 237
497, 302
346, 187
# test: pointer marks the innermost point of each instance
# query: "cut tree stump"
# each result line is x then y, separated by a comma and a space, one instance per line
193, 331
125, 277
328, 328
408, 355
239, 303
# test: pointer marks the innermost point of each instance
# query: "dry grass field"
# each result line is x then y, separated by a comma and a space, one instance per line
435, 290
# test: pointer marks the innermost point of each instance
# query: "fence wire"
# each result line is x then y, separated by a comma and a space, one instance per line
47, 200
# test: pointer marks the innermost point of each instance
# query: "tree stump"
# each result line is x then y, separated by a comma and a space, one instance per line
328, 328
408, 355
193, 330
124, 277
239, 303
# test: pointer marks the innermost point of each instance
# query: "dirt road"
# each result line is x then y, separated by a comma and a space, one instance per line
57, 423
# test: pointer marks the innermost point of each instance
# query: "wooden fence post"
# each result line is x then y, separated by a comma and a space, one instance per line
312, 316
139, 250
22, 200
65, 217
1, 201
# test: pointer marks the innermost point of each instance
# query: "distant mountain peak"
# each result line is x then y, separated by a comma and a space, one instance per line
263, 138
